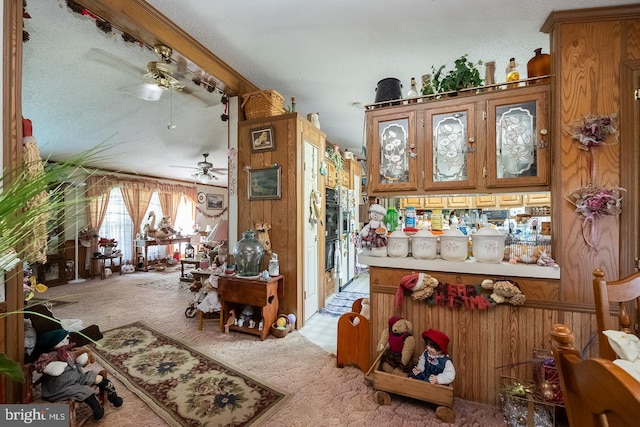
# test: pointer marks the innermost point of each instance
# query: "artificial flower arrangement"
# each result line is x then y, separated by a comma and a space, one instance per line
30, 285
107, 243
592, 202
592, 130
86, 235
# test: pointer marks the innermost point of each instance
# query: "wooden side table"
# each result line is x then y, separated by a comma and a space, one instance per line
184, 261
100, 261
236, 292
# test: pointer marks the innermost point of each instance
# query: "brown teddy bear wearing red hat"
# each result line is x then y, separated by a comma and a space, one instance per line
434, 364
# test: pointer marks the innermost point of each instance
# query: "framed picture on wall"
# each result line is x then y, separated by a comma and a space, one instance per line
264, 184
215, 201
262, 139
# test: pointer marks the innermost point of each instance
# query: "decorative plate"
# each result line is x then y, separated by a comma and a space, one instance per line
201, 197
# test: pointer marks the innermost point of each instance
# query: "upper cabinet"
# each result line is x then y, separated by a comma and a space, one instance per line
517, 143
495, 141
391, 151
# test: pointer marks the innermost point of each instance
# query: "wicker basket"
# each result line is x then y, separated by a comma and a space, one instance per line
281, 333
263, 103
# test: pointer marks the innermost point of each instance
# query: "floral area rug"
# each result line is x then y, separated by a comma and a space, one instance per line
341, 303
183, 386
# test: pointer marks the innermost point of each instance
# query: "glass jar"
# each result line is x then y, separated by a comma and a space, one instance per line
247, 253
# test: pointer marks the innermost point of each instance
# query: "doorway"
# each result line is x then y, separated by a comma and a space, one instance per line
311, 268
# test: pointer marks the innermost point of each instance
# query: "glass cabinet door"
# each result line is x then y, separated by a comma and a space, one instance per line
517, 152
450, 147
393, 152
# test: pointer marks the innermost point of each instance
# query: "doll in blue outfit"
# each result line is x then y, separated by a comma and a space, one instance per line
434, 364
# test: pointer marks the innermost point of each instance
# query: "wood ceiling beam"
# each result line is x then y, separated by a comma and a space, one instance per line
146, 24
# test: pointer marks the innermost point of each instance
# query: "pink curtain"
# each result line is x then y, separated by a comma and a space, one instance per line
137, 202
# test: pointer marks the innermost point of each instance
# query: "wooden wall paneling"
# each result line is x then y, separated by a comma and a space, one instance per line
585, 63
285, 214
485, 344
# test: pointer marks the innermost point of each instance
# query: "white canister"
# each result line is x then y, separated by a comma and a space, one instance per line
398, 244
488, 245
424, 244
454, 246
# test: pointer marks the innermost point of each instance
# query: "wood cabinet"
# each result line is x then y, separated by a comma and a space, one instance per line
416, 202
434, 202
517, 142
493, 141
537, 199
331, 179
262, 295
485, 201
458, 202
510, 200
393, 160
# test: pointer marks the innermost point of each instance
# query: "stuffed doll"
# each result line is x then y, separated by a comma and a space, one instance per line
373, 236
398, 344
63, 375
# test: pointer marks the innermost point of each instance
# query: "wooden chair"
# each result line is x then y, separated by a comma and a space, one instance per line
597, 393
353, 338
79, 412
624, 292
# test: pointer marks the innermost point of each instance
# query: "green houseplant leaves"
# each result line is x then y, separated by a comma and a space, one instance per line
464, 75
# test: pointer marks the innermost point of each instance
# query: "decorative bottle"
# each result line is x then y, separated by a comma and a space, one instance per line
512, 73
539, 65
413, 90
247, 253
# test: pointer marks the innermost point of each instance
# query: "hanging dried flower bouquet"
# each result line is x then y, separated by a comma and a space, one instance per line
592, 202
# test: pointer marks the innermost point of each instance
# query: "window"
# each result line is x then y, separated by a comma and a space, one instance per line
117, 224
184, 218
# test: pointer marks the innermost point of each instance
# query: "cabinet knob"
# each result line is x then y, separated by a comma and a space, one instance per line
543, 142
472, 140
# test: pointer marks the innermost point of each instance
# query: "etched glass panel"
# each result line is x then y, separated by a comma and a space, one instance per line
516, 140
394, 151
450, 147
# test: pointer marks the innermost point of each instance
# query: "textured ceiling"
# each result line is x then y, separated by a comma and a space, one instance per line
327, 54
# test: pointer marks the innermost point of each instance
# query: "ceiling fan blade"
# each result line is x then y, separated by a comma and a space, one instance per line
114, 61
144, 91
184, 167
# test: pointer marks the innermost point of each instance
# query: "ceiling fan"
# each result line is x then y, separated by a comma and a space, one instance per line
205, 171
159, 76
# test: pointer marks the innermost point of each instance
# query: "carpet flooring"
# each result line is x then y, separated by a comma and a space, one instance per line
321, 393
184, 386
341, 303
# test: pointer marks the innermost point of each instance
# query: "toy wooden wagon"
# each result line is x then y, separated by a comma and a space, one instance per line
385, 383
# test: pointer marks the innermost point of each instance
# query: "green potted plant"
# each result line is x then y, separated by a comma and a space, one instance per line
464, 75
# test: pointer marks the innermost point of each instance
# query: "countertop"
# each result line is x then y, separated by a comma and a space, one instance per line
470, 266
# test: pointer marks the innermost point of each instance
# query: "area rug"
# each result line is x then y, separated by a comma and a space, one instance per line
341, 303
182, 385
171, 283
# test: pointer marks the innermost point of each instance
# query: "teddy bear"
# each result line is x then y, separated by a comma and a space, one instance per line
63, 376
421, 285
398, 345
504, 291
